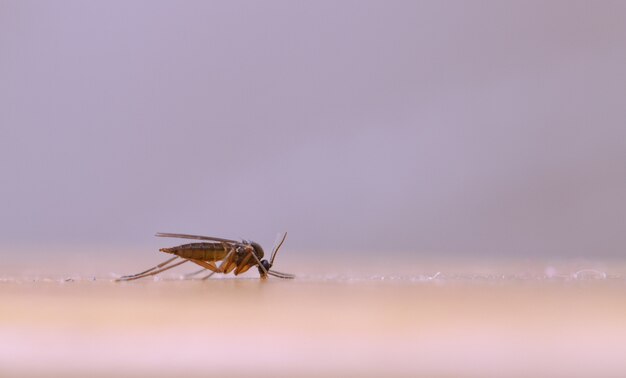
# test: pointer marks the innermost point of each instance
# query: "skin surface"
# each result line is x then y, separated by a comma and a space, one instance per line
397, 318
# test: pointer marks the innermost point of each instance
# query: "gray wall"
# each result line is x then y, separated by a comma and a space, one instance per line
429, 127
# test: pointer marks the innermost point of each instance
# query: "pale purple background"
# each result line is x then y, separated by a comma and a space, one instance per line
430, 127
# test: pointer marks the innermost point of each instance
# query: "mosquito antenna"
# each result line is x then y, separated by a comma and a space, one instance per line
280, 274
277, 247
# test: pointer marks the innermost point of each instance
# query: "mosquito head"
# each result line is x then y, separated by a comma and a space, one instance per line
266, 264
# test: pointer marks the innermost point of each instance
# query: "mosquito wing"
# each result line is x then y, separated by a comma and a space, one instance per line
196, 237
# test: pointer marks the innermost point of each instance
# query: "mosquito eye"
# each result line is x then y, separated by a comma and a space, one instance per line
263, 268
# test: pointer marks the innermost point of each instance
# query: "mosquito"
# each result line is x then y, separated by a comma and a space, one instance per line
235, 256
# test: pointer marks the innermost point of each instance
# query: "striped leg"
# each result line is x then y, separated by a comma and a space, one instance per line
152, 271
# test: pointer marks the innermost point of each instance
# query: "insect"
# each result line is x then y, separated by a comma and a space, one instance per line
235, 256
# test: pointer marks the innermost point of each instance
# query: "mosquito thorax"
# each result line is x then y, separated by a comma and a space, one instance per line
258, 250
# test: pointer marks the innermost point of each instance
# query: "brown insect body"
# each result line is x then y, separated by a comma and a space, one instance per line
236, 257
199, 251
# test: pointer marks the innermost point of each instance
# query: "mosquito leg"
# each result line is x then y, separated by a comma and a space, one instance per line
207, 276
243, 264
152, 273
226, 261
206, 265
261, 265
189, 275
149, 270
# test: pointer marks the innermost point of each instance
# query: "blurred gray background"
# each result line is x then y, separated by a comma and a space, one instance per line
427, 127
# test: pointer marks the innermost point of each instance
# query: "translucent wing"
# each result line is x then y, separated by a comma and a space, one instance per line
196, 237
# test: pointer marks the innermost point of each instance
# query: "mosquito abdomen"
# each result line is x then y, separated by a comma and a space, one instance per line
199, 251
